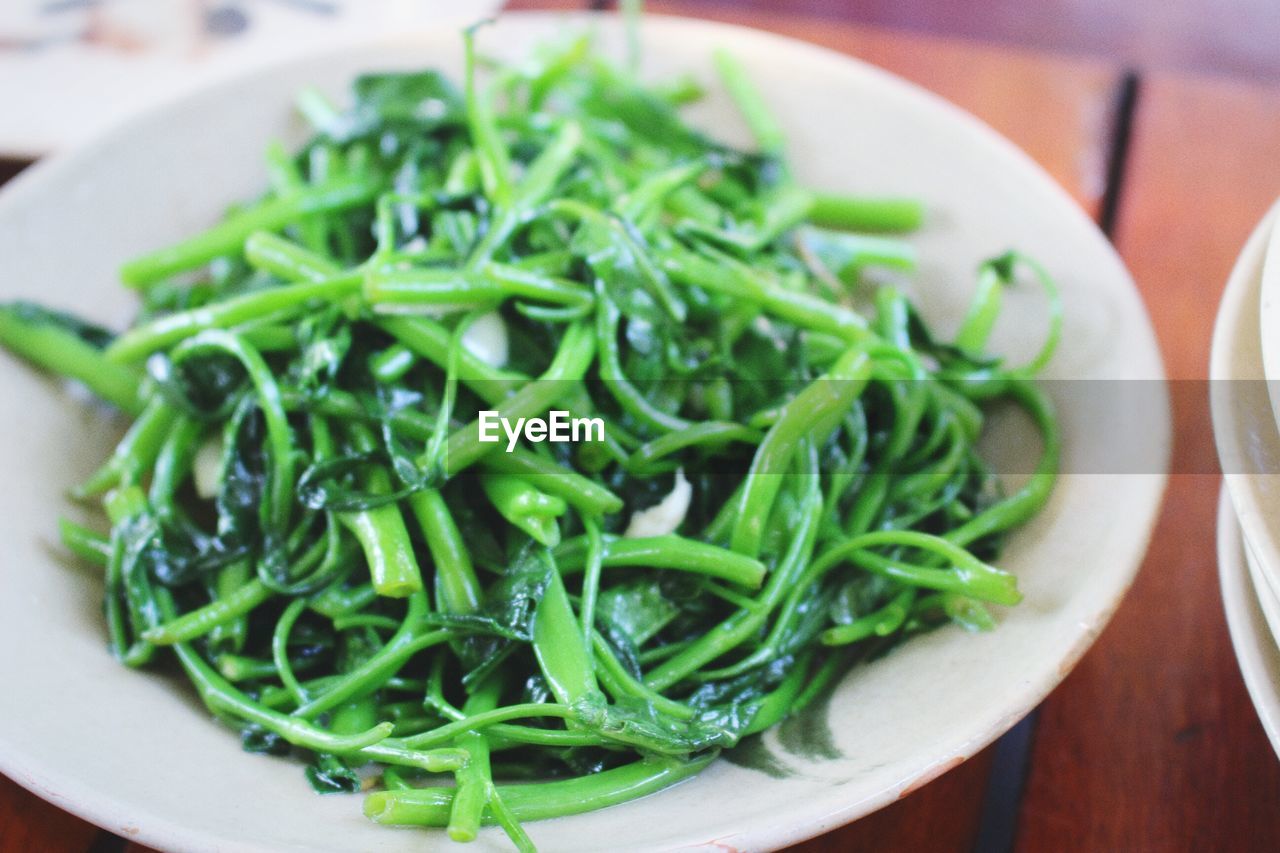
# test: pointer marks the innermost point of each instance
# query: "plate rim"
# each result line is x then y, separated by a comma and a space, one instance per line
1255, 648
1268, 602
1232, 435
1269, 318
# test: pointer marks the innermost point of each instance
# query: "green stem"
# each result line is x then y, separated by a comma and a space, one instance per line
59, 351
862, 213
228, 237
540, 800
140, 341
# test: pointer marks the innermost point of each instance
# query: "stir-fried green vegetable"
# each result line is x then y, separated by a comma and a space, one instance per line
304, 512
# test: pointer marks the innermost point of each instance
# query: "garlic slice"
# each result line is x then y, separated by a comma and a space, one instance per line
666, 515
486, 339
206, 468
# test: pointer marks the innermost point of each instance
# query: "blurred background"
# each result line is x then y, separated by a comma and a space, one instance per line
58, 58
1237, 37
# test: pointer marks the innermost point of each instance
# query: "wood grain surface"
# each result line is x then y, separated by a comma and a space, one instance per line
29, 824
1151, 744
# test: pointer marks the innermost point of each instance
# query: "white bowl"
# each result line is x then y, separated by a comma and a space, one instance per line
1251, 636
135, 753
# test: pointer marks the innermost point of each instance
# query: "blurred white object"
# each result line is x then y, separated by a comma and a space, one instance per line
486, 339
71, 67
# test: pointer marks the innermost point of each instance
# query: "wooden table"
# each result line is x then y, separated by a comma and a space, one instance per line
1151, 743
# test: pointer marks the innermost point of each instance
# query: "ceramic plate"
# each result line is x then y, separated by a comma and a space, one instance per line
136, 754
1243, 425
1255, 646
